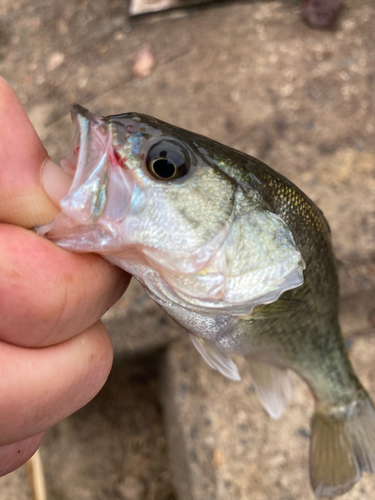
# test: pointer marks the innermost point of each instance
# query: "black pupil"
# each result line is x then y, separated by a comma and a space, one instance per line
164, 168
167, 160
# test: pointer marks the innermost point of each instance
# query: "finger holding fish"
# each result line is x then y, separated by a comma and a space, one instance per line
31, 184
58, 294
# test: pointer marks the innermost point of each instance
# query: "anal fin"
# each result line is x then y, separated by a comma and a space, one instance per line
215, 358
272, 386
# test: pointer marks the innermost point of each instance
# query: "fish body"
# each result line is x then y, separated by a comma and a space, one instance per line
236, 254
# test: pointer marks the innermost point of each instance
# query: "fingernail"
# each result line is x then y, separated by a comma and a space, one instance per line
55, 181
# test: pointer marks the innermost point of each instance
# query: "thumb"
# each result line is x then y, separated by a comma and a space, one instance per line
31, 185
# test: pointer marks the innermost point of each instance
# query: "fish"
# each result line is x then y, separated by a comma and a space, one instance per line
235, 253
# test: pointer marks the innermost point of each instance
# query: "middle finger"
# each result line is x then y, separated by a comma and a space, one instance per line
48, 295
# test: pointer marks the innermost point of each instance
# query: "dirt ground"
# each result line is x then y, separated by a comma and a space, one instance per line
249, 74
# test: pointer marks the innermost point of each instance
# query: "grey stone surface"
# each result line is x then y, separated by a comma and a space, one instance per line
114, 448
222, 443
252, 76
137, 325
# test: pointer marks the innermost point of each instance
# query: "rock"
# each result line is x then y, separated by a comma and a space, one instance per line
144, 62
222, 443
137, 325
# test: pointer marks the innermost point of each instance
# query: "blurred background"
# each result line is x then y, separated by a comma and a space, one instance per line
253, 75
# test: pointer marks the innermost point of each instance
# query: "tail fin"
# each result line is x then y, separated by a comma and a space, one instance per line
342, 446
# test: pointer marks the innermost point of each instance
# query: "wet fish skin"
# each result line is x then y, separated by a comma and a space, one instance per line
309, 313
162, 232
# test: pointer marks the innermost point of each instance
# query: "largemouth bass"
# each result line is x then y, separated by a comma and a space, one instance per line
236, 254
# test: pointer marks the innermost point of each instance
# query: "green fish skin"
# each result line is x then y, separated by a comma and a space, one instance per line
236, 254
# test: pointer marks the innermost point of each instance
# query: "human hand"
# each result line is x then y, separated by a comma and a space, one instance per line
55, 354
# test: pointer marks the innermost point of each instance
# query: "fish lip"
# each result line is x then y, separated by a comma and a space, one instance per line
78, 110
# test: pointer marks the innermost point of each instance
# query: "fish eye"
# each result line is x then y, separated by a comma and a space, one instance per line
167, 160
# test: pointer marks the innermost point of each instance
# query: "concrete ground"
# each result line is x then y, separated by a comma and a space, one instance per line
253, 76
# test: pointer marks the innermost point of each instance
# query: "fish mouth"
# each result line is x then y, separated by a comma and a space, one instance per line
101, 189
100, 194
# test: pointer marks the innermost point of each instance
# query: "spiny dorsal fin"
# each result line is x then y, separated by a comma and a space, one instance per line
217, 359
272, 386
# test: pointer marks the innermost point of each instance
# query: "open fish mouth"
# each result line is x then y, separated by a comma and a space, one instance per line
101, 190
96, 170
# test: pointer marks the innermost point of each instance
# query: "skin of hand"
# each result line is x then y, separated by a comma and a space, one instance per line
55, 354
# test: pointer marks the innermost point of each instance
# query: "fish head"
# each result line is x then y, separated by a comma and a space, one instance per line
158, 201
180, 209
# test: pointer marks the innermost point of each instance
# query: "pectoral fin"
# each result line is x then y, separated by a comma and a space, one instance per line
272, 386
217, 359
